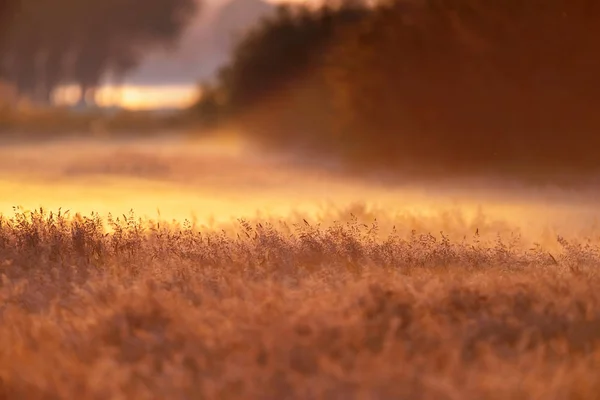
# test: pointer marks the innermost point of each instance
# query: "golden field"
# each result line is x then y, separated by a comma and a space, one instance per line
385, 200
130, 308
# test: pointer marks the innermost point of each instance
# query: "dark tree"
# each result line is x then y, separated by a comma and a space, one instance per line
283, 47
53, 42
468, 86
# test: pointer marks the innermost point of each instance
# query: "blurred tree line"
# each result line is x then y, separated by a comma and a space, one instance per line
463, 84
271, 58
44, 44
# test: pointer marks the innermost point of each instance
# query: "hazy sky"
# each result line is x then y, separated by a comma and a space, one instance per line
270, 1
293, 1
169, 80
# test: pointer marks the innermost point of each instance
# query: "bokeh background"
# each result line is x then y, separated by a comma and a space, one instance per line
216, 109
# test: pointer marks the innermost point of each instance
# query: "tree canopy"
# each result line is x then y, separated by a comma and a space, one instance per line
466, 84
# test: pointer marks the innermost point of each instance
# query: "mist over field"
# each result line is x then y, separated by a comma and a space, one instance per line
289, 279
220, 178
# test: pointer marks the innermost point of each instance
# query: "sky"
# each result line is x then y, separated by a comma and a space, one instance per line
293, 1
170, 80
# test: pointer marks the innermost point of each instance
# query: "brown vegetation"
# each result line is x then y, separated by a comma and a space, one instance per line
447, 86
146, 310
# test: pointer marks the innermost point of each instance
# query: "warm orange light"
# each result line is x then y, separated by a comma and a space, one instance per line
147, 97
133, 97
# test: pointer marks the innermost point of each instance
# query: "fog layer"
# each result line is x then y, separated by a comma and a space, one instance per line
214, 181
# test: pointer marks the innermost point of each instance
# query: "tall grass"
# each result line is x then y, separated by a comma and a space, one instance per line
130, 308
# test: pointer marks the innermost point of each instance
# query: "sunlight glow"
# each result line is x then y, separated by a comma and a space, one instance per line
220, 179
132, 97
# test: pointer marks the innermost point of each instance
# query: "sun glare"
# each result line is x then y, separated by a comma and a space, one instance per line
132, 97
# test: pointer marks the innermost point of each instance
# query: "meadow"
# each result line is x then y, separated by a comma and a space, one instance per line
125, 307
360, 227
